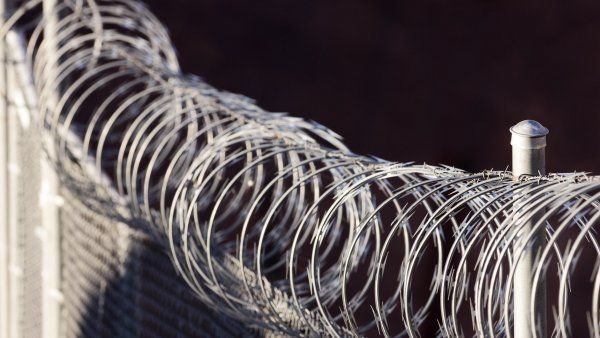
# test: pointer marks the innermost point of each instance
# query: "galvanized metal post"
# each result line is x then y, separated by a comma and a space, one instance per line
51, 294
528, 143
4, 289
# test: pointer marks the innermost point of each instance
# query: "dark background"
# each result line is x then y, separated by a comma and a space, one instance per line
423, 81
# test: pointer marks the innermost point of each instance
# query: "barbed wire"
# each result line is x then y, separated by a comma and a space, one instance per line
271, 220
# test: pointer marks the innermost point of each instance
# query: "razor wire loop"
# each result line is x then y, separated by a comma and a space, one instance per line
270, 219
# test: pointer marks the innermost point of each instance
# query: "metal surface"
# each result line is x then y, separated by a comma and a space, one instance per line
23, 246
50, 200
528, 142
117, 282
4, 244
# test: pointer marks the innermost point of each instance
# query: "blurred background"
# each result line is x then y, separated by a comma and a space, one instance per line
424, 81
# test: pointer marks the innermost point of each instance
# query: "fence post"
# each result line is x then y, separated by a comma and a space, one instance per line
528, 141
51, 296
4, 290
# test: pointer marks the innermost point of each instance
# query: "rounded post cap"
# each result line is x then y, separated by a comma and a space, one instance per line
528, 134
529, 128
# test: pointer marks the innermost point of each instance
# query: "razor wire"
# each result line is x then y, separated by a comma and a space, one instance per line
271, 220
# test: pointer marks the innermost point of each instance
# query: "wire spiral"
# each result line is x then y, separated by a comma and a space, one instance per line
271, 220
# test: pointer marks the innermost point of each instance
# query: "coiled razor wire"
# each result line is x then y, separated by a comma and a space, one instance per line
271, 220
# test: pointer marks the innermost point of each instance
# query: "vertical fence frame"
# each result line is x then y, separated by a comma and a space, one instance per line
4, 288
51, 294
528, 143
20, 193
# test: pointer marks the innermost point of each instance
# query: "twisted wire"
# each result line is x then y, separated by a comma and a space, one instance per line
271, 220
